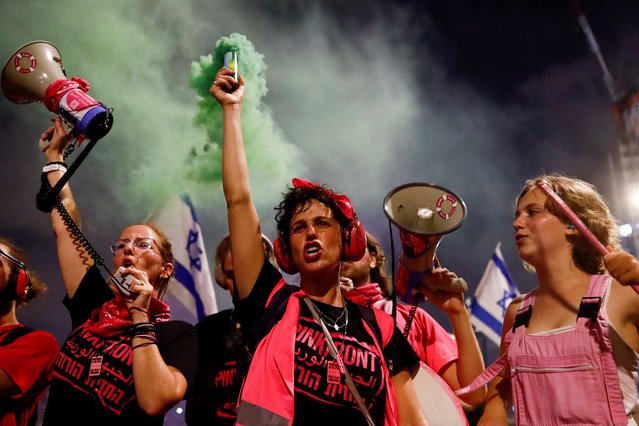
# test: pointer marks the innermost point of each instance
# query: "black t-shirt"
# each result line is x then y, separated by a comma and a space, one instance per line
318, 402
322, 401
224, 356
75, 397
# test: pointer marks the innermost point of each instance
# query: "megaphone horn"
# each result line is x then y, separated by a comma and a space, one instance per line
35, 73
424, 213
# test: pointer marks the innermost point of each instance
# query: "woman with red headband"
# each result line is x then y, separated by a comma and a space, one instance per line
320, 359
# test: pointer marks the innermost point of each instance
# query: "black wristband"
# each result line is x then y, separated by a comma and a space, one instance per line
43, 203
62, 163
142, 328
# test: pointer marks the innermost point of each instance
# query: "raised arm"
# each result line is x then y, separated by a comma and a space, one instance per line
73, 258
244, 224
623, 266
470, 362
624, 306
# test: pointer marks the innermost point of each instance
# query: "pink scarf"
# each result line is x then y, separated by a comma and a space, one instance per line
364, 295
113, 317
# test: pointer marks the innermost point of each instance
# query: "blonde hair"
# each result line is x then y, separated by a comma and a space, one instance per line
166, 252
224, 247
586, 202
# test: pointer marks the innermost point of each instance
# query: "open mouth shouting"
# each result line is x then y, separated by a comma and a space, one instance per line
127, 262
312, 251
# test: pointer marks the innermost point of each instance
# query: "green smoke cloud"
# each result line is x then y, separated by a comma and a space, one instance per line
271, 157
138, 57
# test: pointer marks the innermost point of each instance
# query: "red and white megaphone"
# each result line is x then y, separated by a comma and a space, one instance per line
35, 73
424, 213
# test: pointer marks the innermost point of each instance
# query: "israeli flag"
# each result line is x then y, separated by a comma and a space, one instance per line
495, 291
191, 284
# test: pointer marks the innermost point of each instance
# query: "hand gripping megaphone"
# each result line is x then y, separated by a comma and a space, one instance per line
35, 73
424, 213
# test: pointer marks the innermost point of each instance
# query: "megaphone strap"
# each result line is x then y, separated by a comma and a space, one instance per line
46, 197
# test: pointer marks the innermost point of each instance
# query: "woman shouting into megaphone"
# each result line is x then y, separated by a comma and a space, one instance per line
125, 362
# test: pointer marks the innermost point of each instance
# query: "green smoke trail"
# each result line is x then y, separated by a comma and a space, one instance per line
271, 157
137, 56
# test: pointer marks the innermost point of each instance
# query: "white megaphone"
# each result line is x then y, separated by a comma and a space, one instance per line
424, 213
35, 73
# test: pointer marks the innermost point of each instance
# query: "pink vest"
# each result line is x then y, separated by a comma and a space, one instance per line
565, 378
267, 396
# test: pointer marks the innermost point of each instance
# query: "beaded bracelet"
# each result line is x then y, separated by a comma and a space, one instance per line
141, 345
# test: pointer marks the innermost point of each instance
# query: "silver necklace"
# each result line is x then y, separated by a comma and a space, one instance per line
334, 324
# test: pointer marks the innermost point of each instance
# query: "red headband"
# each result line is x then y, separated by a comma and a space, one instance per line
342, 201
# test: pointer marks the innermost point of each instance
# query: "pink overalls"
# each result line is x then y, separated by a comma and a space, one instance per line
564, 378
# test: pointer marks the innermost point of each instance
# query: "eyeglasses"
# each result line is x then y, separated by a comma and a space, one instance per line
139, 245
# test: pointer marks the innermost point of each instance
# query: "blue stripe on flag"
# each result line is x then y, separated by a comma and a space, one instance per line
485, 317
183, 275
504, 271
187, 201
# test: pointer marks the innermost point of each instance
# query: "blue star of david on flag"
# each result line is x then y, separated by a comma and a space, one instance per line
495, 291
193, 284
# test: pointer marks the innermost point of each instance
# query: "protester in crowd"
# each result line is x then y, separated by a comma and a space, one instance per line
223, 354
26, 355
458, 361
294, 377
569, 347
126, 361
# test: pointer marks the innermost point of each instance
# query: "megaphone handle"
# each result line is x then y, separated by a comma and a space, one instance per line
46, 204
457, 282
43, 144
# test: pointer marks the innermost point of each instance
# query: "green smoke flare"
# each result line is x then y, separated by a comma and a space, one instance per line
271, 157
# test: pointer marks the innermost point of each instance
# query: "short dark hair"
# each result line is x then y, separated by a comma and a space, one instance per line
378, 273
297, 200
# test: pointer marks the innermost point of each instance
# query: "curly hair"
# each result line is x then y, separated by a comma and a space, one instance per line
586, 202
297, 200
37, 286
